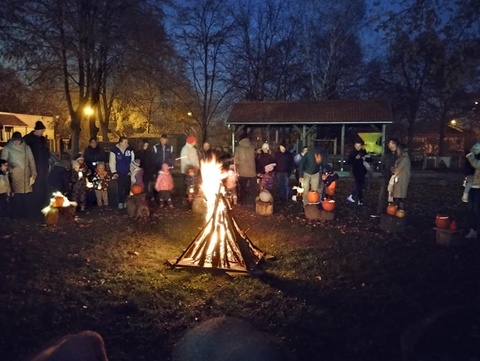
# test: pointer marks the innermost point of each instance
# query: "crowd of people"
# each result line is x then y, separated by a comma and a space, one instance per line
28, 180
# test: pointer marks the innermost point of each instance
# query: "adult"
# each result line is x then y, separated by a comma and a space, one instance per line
207, 152
298, 157
263, 159
121, 157
474, 193
400, 177
146, 156
283, 169
23, 173
163, 153
356, 160
189, 155
93, 154
38, 144
244, 160
389, 157
309, 171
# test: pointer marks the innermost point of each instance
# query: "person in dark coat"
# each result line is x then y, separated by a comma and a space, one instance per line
356, 160
309, 170
163, 153
388, 160
41, 154
263, 158
284, 168
58, 179
145, 154
93, 155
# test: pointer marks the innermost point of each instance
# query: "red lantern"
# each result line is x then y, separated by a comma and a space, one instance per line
137, 188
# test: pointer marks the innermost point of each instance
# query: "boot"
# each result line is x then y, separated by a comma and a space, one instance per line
472, 234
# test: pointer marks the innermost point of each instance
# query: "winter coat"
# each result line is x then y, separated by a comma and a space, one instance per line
358, 169
244, 159
262, 160
474, 161
162, 155
101, 180
21, 164
388, 161
58, 179
164, 181
189, 157
93, 156
40, 152
402, 172
119, 161
146, 163
308, 164
284, 161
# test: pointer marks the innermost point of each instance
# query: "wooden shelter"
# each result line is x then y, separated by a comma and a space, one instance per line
269, 121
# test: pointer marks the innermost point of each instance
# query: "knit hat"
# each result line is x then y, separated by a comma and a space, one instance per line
165, 167
265, 146
17, 136
39, 125
79, 156
191, 139
269, 167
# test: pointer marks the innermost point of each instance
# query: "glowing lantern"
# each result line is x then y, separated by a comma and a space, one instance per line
400, 213
313, 196
328, 205
58, 201
137, 188
442, 221
392, 209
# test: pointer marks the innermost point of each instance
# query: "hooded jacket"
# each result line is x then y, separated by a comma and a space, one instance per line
244, 159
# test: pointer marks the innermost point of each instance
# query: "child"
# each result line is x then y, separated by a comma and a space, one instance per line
164, 186
136, 173
80, 172
266, 182
100, 182
230, 183
58, 179
191, 185
5, 189
328, 177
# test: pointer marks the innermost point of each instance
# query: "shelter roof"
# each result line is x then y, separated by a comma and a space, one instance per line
10, 120
311, 112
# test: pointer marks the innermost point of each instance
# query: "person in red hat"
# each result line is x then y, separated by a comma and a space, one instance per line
189, 155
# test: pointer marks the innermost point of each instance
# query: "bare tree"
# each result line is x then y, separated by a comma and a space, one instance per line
206, 26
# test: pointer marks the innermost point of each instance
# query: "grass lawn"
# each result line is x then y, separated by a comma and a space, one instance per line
336, 290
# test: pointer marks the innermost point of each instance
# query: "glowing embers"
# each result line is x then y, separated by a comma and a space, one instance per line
221, 244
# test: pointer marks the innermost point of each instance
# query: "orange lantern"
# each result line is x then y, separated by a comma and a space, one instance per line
58, 202
328, 205
313, 196
442, 221
330, 190
137, 188
392, 209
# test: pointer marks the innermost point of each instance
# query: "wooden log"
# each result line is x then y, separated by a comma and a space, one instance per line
263, 208
392, 224
137, 206
444, 237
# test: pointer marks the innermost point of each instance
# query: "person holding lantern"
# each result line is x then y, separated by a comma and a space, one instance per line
400, 178
309, 170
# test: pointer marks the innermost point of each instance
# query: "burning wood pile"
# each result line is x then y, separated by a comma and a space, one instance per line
221, 244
